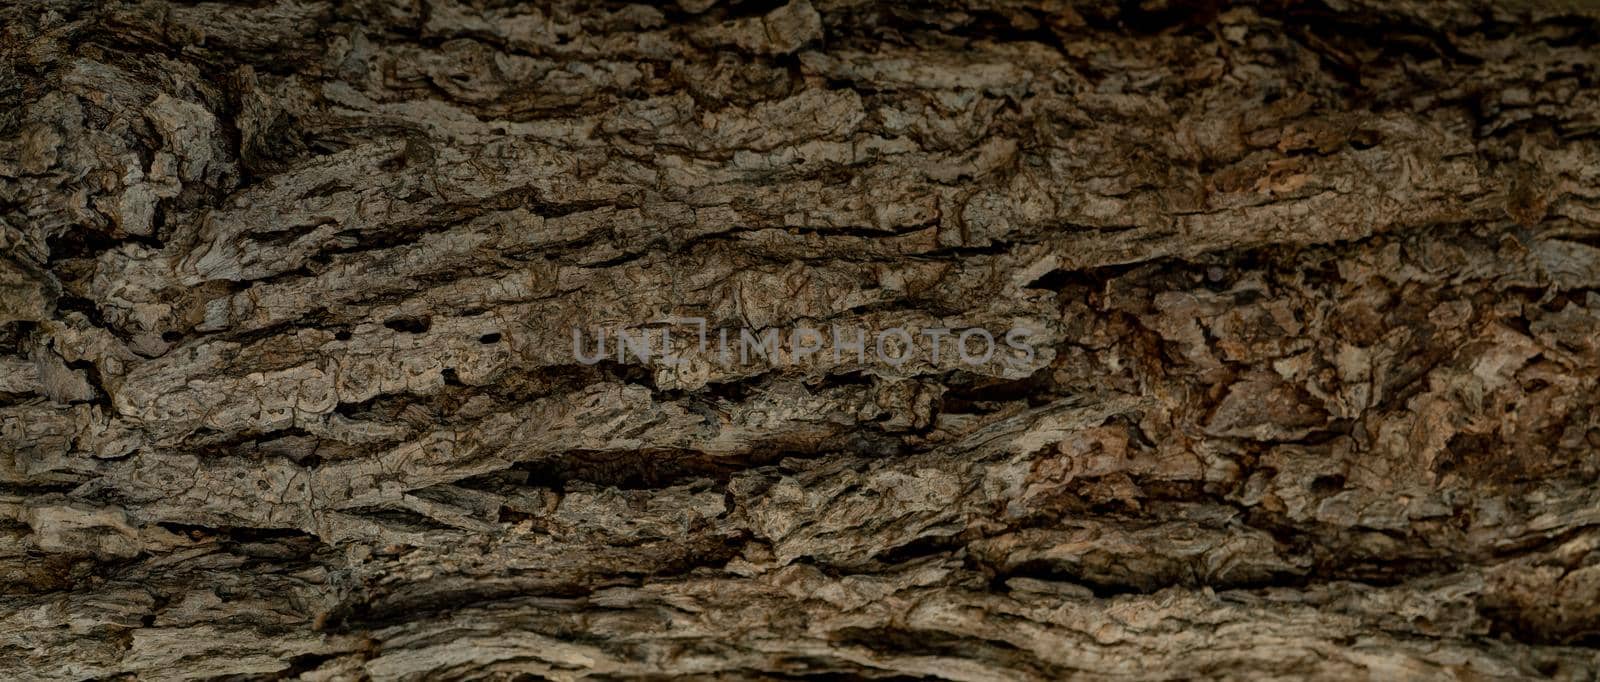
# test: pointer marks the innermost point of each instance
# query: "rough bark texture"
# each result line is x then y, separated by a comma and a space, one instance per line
287, 386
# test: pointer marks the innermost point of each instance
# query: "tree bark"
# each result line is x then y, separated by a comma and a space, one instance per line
288, 385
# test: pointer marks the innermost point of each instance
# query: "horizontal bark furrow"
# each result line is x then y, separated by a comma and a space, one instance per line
288, 385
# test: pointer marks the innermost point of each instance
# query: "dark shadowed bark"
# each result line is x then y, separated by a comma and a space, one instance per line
288, 386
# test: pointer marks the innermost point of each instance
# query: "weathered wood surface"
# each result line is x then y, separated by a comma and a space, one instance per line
287, 388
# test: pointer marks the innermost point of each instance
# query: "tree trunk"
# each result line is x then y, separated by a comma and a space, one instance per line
1293, 312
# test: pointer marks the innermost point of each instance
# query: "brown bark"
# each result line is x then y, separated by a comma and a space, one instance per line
288, 391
